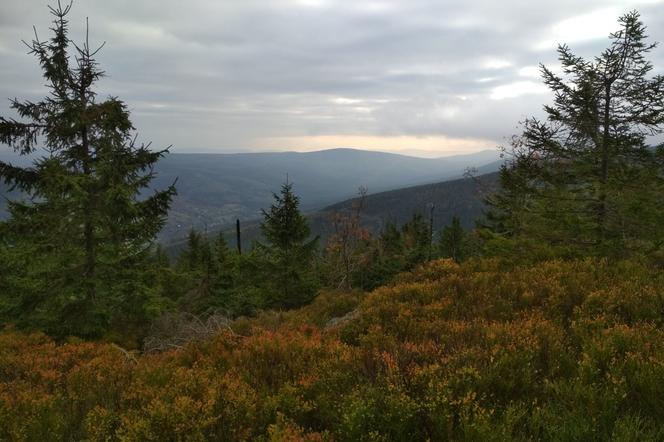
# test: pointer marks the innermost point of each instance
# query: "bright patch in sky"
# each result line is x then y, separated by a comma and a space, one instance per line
425, 146
344, 100
530, 71
594, 25
447, 112
497, 64
517, 89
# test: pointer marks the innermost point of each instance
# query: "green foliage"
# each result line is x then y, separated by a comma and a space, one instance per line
584, 181
209, 278
452, 240
395, 251
399, 249
78, 245
288, 252
485, 350
203, 279
416, 237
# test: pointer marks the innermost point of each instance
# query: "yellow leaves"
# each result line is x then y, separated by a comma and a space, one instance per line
453, 349
285, 430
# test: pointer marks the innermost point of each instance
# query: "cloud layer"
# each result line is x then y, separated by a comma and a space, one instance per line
429, 77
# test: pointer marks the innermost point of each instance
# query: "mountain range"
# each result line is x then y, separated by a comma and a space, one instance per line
216, 189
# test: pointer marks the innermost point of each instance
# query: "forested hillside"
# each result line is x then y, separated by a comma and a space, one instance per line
463, 198
216, 189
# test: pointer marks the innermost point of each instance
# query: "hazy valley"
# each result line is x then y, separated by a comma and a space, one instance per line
216, 189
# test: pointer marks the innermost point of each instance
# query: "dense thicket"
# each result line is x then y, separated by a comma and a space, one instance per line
208, 278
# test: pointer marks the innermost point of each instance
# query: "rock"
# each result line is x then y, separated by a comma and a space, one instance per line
335, 322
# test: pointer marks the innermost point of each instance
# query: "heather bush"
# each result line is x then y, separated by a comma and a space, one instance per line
475, 351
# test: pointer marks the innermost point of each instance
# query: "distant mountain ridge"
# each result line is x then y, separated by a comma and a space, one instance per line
215, 189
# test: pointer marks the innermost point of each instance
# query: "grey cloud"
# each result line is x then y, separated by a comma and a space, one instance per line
208, 74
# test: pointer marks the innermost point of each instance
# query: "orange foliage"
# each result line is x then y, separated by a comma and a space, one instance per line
479, 351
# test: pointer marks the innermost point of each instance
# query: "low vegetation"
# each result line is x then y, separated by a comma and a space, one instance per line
479, 351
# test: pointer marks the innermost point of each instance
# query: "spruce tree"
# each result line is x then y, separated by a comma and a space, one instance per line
391, 240
416, 236
452, 240
584, 180
85, 228
192, 258
223, 265
160, 258
289, 251
387, 258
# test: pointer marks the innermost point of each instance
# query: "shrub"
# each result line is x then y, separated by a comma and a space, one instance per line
561, 350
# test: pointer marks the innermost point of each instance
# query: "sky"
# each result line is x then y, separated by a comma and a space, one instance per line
419, 77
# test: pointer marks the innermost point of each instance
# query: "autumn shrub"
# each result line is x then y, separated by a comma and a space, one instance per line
561, 350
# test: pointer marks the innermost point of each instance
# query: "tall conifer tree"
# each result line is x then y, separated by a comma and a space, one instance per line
289, 251
87, 223
584, 180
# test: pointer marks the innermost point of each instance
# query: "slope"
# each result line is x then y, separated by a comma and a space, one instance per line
463, 197
482, 351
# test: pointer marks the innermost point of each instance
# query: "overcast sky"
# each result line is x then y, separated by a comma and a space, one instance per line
420, 77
